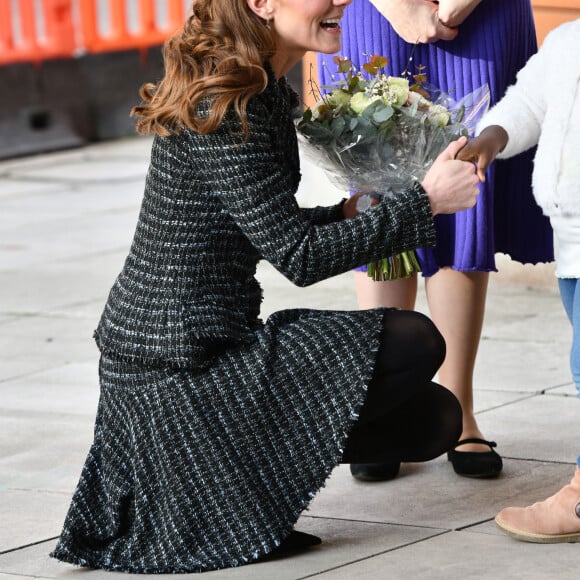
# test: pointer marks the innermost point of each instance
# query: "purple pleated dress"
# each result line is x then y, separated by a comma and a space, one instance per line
492, 45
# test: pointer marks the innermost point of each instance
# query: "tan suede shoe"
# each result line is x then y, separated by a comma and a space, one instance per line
554, 520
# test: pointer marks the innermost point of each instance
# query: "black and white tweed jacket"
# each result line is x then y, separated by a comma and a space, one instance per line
214, 206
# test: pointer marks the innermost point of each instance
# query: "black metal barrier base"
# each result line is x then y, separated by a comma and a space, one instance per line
42, 108
71, 102
112, 82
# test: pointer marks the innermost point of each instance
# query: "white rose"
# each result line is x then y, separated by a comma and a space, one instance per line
438, 115
415, 97
338, 98
360, 101
319, 109
399, 90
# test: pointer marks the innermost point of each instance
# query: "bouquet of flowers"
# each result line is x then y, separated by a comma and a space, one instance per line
379, 134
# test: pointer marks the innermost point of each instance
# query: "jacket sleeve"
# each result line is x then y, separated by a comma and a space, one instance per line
522, 110
257, 189
320, 215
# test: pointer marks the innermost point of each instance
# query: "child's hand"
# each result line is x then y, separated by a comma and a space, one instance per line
483, 149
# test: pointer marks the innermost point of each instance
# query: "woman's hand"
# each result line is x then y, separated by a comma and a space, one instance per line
453, 12
483, 149
415, 20
451, 185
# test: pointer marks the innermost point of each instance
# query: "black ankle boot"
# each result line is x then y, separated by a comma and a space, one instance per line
294, 543
374, 471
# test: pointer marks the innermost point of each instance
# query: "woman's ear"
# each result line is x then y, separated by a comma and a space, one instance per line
261, 8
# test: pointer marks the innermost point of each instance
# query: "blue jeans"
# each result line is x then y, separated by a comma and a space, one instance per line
570, 293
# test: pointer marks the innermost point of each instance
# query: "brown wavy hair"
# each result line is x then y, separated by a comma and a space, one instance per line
220, 54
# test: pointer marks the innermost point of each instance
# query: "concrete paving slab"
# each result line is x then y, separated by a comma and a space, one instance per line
39, 343
514, 301
525, 366
68, 389
73, 169
43, 451
521, 314
488, 527
533, 276
18, 577
8, 166
568, 390
545, 428
67, 240
315, 188
486, 400
39, 516
343, 543
432, 495
17, 189
467, 556
334, 294
135, 146
67, 202
25, 366
66, 287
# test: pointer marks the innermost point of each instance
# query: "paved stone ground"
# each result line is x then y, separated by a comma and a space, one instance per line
66, 220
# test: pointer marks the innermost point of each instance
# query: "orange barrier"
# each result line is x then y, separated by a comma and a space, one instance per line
29, 36
20, 34
148, 32
33, 31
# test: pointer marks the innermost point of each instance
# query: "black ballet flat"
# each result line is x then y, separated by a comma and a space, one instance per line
293, 544
473, 463
374, 471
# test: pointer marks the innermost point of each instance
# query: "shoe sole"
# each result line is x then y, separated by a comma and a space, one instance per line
537, 538
368, 478
479, 475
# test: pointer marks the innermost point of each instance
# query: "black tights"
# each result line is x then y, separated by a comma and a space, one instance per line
406, 416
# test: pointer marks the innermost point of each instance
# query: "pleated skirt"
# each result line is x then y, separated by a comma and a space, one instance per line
493, 44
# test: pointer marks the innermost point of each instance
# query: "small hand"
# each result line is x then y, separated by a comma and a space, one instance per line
483, 149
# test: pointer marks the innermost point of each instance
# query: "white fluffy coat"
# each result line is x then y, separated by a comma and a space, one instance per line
543, 108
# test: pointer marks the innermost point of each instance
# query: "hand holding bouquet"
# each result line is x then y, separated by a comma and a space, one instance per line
380, 134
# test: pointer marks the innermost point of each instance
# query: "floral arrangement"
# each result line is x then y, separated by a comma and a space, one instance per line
379, 134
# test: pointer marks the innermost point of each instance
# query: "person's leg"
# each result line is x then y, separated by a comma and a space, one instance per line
421, 428
401, 294
556, 519
405, 415
570, 294
457, 304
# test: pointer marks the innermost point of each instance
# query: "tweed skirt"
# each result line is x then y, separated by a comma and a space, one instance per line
194, 471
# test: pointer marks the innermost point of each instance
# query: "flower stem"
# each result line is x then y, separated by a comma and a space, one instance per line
396, 267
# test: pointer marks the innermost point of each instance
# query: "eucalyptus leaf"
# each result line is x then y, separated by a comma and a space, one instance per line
383, 114
337, 126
